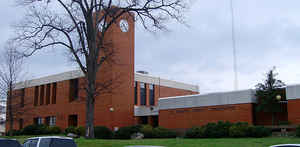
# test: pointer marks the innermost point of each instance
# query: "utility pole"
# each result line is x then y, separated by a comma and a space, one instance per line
234, 47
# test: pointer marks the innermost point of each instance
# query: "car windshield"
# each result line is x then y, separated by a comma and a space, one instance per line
45, 142
62, 143
31, 143
9, 143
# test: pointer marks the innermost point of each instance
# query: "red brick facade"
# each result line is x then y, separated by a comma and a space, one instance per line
113, 108
293, 111
190, 117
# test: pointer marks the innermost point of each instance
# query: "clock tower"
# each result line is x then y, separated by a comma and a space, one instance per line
117, 105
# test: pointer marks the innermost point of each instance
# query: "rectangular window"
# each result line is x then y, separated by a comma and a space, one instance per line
21, 121
135, 93
54, 93
48, 94
36, 95
47, 121
73, 93
151, 95
42, 91
38, 121
22, 97
51, 121
143, 93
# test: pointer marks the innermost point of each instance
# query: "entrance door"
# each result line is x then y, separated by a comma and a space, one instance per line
73, 120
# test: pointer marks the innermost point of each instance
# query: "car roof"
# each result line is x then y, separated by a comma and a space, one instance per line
57, 137
279, 145
7, 139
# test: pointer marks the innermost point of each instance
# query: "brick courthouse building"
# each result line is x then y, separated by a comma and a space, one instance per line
137, 98
132, 99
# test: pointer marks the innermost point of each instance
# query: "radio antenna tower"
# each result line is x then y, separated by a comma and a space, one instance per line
234, 47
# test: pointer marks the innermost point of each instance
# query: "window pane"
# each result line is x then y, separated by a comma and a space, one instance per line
135, 93
63, 143
143, 93
74, 89
151, 95
9, 143
36, 95
151, 86
45, 142
22, 97
48, 87
31, 143
54, 93
42, 95
142, 85
52, 121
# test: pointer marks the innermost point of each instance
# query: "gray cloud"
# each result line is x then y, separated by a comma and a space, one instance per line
267, 35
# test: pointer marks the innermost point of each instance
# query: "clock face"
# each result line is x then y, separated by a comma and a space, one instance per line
101, 26
124, 26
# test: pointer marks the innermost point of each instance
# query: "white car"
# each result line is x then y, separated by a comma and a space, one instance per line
9, 143
50, 141
286, 145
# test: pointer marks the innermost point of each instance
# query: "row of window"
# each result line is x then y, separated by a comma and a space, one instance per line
50, 121
41, 98
42, 93
143, 94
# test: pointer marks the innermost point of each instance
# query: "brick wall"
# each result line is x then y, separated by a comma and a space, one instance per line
114, 107
293, 111
189, 117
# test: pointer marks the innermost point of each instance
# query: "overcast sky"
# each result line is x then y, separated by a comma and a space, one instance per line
267, 35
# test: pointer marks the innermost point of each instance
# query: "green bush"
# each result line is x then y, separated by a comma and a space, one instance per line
239, 130
223, 129
298, 131
126, 132
14, 132
102, 132
35, 130
259, 131
210, 130
80, 131
161, 132
195, 132
147, 130
54, 130
227, 129
71, 129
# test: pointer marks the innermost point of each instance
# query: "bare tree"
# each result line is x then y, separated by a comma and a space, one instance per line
10, 74
80, 26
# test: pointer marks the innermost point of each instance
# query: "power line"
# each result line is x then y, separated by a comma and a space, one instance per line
234, 47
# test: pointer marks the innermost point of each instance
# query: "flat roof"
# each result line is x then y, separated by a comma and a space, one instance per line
209, 99
79, 74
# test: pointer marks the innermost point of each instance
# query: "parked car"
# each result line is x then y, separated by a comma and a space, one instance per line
286, 145
9, 143
50, 141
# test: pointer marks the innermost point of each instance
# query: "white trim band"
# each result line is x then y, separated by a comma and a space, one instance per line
211, 99
78, 74
163, 82
293, 92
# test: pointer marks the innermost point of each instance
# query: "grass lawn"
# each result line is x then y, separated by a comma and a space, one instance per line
228, 142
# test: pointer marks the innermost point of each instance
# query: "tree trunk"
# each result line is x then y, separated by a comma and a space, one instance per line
273, 118
90, 116
10, 114
90, 100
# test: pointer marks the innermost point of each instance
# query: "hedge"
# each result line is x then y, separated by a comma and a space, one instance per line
227, 129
